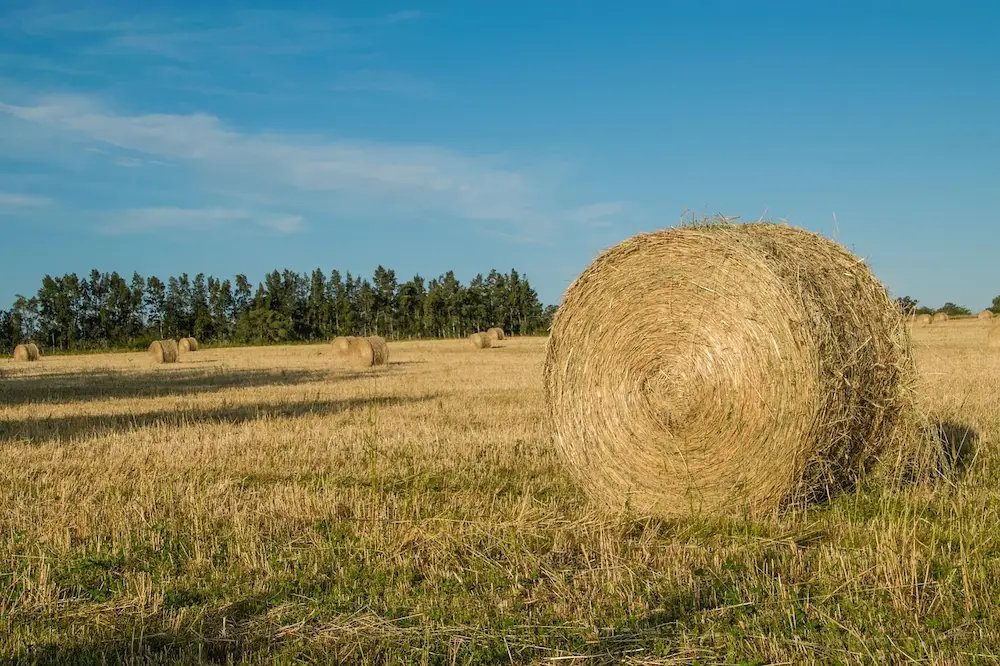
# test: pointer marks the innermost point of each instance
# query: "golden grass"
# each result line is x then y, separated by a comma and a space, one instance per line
261, 505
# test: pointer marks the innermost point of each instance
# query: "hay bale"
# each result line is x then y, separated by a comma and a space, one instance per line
922, 320
993, 337
986, 315
26, 353
728, 367
164, 351
496, 334
187, 345
480, 341
380, 349
940, 317
353, 352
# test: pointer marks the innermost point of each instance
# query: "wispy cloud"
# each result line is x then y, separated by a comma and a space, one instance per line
394, 176
146, 220
285, 224
11, 200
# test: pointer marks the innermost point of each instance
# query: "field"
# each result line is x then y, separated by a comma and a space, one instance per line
258, 505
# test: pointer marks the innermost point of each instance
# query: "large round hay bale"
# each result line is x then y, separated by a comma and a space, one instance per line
940, 317
726, 368
380, 349
480, 341
922, 320
993, 337
496, 334
187, 345
986, 315
353, 352
27, 352
164, 351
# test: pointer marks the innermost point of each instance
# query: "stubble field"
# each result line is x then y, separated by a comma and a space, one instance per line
258, 505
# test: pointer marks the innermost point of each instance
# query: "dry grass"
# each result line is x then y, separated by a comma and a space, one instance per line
261, 506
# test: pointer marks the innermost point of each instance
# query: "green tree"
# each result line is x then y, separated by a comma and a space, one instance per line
953, 310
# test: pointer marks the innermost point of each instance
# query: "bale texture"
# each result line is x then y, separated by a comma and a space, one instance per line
380, 349
187, 345
480, 341
496, 334
940, 316
353, 352
27, 352
341, 343
986, 314
164, 351
722, 368
922, 320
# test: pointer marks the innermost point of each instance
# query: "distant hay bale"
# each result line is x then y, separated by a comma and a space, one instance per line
940, 317
722, 368
986, 314
341, 343
27, 352
496, 334
353, 352
993, 337
164, 351
188, 345
922, 320
380, 349
480, 341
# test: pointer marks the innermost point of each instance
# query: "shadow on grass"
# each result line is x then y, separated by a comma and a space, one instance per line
69, 387
958, 444
64, 428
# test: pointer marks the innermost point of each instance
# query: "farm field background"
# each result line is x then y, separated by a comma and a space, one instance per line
258, 505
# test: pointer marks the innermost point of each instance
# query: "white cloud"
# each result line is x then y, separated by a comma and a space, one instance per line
11, 200
286, 224
394, 177
147, 220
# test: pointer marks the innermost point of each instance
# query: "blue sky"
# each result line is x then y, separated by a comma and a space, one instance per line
458, 135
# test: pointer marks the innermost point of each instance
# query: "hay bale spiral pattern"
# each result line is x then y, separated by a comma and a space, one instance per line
726, 367
496, 334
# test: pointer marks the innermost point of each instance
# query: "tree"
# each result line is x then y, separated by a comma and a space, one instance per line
105, 310
155, 304
995, 308
953, 310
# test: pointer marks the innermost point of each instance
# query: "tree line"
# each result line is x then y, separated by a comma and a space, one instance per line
107, 311
911, 306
